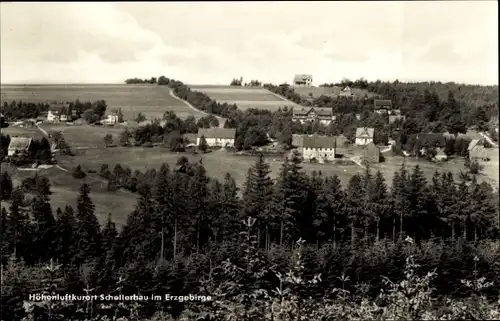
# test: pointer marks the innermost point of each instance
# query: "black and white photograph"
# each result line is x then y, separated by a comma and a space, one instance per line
249, 161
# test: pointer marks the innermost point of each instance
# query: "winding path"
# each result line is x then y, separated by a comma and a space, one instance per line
221, 120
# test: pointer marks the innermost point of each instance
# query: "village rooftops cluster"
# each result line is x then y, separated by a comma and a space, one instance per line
303, 114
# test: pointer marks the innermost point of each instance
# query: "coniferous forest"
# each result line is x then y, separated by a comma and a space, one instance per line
302, 247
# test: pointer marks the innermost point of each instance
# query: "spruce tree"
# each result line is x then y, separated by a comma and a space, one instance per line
257, 196
163, 197
18, 226
418, 203
400, 198
65, 235
88, 231
380, 201
5, 186
354, 204
44, 230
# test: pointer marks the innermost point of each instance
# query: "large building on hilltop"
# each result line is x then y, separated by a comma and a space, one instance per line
302, 80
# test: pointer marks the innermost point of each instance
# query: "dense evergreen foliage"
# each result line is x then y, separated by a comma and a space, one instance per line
184, 237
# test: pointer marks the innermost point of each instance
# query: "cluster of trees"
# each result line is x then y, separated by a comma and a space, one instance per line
132, 81
237, 82
88, 110
15, 110
185, 224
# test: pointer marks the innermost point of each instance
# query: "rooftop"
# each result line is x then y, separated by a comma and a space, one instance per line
227, 133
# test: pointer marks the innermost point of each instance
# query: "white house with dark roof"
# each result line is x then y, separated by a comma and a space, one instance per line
476, 150
346, 92
305, 114
18, 145
58, 113
321, 148
217, 137
364, 136
114, 117
302, 80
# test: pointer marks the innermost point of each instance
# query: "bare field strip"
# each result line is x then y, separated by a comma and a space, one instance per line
151, 100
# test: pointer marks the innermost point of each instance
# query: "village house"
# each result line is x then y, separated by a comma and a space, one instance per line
324, 115
302, 80
371, 153
364, 136
19, 145
320, 148
476, 150
58, 113
382, 106
220, 137
346, 92
114, 117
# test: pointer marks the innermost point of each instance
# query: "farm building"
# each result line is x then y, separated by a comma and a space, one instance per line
364, 135
223, 137
440, 156
371, 153
19, 145
114, 117
302, 80
324, 115
58, 113
321, 148
476, 150
382, 106
346, 92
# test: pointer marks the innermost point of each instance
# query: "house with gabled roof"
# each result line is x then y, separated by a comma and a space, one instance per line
364, 136
217, 137
382, 106
19, 145
305, 114
302, 80
476, 150
115, 116
346, 92
320, 148
58, 113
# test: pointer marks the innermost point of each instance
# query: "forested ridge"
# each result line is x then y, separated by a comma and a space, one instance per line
191, 234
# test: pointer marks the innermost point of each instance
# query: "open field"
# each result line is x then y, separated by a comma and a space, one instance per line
65, 190
245, 97
151, 100
85, 135
32, 132
219, 163
329, 91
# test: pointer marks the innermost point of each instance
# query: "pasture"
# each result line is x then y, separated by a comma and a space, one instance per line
32, 132
218, 163
85, 136
245, 97
329, 91
151, 100
65, 191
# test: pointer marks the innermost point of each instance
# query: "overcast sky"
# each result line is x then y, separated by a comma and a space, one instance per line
211, 43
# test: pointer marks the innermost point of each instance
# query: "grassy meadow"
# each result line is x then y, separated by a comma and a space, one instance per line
150, 100
245, 97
